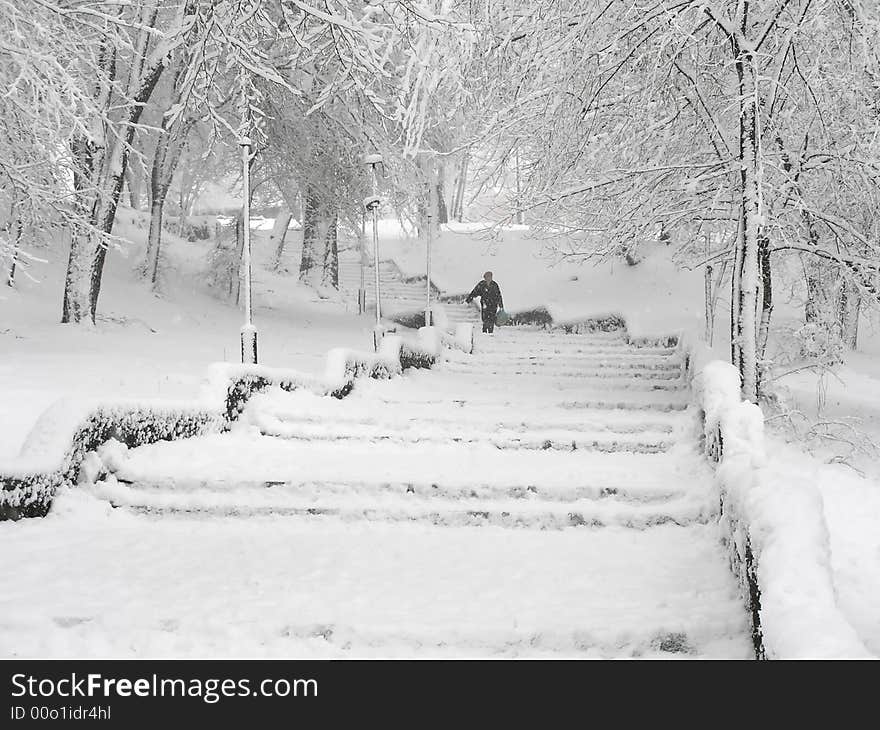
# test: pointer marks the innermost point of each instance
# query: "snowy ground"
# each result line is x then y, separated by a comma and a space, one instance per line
844, 407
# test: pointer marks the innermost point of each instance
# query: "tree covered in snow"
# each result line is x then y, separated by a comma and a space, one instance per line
83, 79
750, 125
43, 106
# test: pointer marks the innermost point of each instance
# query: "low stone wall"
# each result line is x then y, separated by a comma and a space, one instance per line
735, 536
773, 526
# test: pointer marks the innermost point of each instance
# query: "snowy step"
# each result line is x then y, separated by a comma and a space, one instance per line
437, 511
648, 493
486, 382
541, 364
485, 344
246, 455
549, 370
624, 404
478, 395
330, 589
538, 331
621, 402
644, 443
513, 335
448, 418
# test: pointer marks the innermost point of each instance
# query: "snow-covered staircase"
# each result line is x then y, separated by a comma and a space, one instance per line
399, 296
543, 496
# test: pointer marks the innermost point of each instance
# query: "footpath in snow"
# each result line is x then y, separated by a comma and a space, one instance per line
542, 497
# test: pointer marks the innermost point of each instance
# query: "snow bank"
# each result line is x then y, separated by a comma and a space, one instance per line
775, 529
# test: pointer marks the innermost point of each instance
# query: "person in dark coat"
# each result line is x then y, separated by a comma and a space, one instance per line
490, 300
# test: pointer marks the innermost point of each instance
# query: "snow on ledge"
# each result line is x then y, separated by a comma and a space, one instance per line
775, 526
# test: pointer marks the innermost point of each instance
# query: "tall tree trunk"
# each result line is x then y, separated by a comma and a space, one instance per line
519, 208
133, 180
735, 277
158, 192
330, 273
279, 235
310, 233
75, 307
766, 304
75, 304
181, 204
154, 240
460, 186
16, 245
849, 307
442, 210
815, 304
746, 298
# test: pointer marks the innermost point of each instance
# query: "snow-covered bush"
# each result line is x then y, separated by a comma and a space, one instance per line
59, 444
539, 316
820, 344
77, 442
609, 323
344, 364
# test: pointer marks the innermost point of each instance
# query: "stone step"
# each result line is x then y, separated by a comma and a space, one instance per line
487, 382
646, 493
550, 371
622, 404
315, 587
541, 334
476, 391
435, 511
451, 417
558, 440
484, 359
484, 345
243, 452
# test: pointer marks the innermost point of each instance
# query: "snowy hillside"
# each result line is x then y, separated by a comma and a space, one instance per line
532, 274
144, 345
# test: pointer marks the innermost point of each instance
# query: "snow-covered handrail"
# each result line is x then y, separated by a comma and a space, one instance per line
774, 529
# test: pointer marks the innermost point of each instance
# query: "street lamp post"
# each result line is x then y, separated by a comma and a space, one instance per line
362, 253
248, 331
429, 234
372, 203
426, 157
